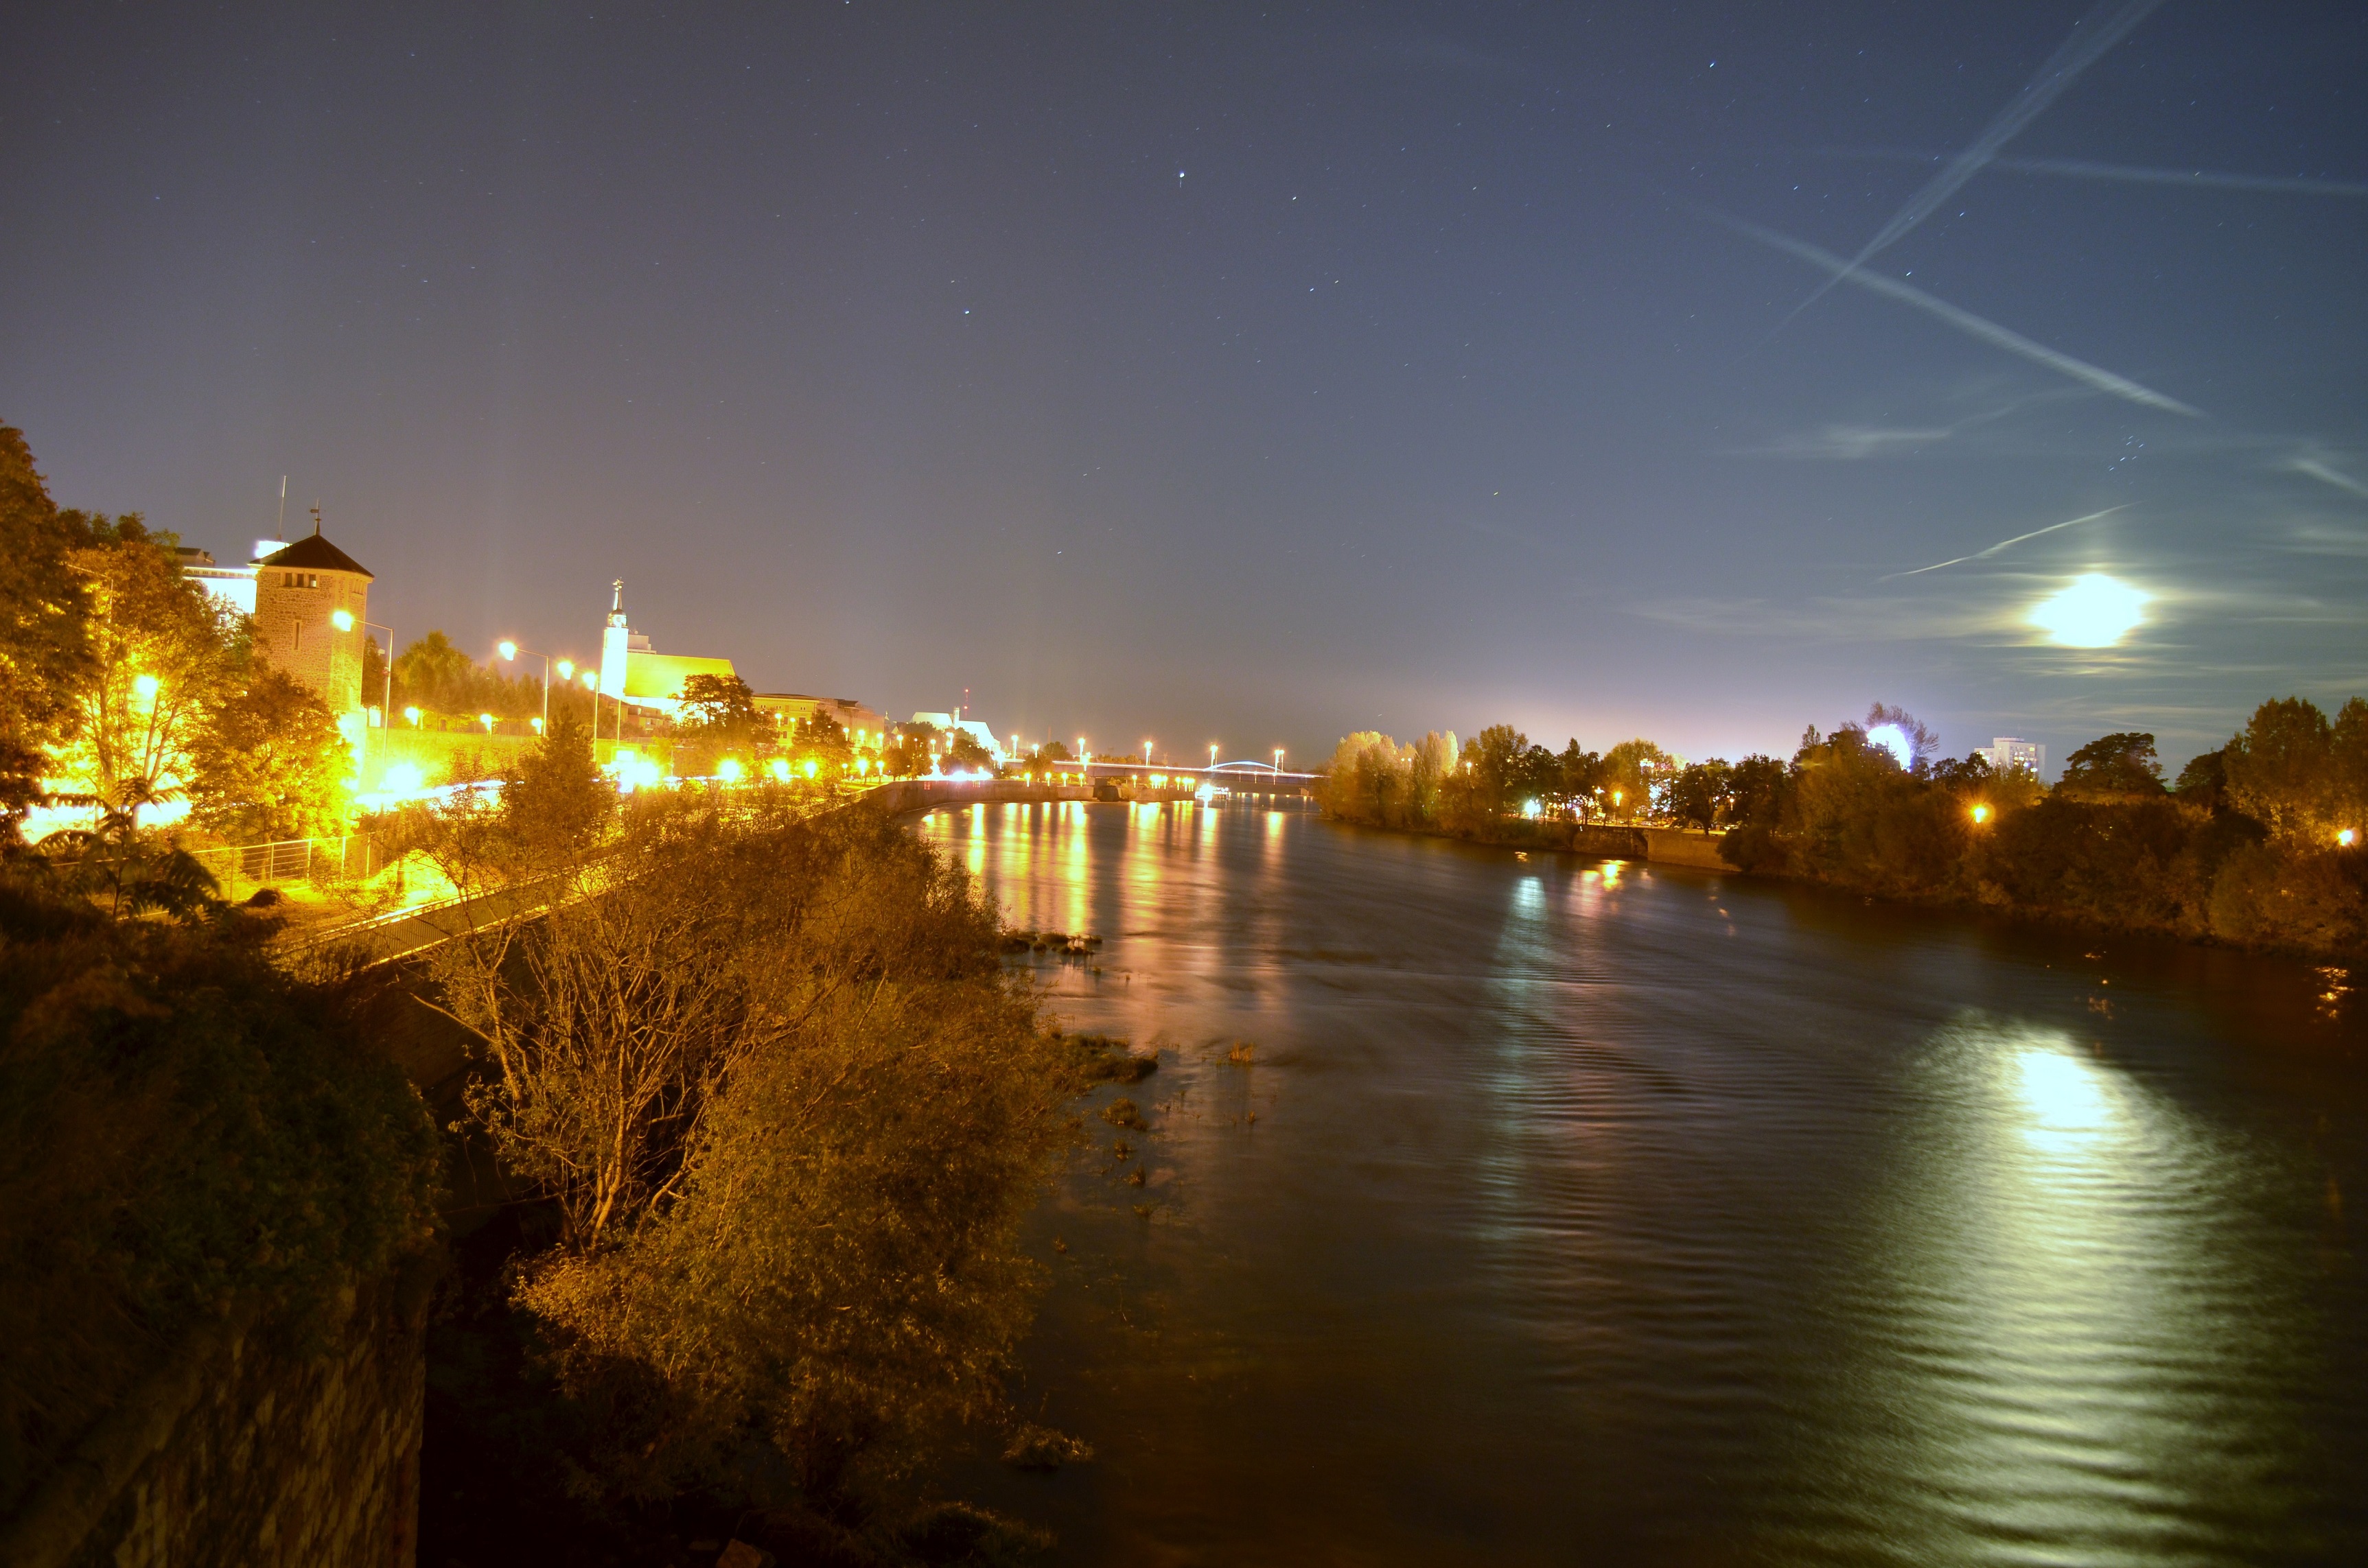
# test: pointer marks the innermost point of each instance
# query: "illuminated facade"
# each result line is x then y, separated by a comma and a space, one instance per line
867, 728
948, 724
310, 599
637, 674
2010, 752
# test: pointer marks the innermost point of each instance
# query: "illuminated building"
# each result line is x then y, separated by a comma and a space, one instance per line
310, 599
639, 676
2010, 751
233, 585
948, 724
867, 728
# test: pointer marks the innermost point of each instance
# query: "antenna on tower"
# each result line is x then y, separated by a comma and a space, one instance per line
317, 516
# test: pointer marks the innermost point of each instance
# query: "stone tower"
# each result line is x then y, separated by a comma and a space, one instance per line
310, 599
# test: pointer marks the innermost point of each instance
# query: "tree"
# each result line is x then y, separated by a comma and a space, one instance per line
432, 673
1629, 773
557, 804
2205, 781
44, 652
1963, 778
1582, 775
2346, 755
161, 654
966, 752
2121, 763
1491, 772
820, 739
269, 762
790, 1113
1702, 793
720, 708
2279, 769
1756, 790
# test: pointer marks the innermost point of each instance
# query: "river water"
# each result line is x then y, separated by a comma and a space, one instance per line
1512, 1211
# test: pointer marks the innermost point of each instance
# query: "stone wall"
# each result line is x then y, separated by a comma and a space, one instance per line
243, 1452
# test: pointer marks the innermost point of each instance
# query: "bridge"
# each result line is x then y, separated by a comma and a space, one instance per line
1246, 774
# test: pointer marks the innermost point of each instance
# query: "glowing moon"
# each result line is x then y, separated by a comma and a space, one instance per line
2095, 611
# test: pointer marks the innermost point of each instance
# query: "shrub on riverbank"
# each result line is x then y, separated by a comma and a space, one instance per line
786, 1108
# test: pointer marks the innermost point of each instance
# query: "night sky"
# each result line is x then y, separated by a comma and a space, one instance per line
1245, 375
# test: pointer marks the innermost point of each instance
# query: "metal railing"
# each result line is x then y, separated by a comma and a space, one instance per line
244, 867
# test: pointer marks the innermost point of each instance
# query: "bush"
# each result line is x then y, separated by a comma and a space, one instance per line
790, 1110
182, 1128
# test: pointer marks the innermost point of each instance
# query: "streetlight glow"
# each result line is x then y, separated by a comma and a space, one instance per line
487, 721
1980, 815
412, 714
507, 649
343, 619
566, 669
146, 688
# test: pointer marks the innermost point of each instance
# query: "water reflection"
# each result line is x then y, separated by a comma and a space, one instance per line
1598, 1213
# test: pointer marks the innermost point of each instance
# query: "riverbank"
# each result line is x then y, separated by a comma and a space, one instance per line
2233, 892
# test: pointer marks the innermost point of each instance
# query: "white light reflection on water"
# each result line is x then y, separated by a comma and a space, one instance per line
2064, 1344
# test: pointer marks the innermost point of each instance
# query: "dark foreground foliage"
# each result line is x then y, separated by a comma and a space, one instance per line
184, 1133
781, 1108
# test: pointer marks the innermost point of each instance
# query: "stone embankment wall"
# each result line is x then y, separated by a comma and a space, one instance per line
243, 1454
1660, 846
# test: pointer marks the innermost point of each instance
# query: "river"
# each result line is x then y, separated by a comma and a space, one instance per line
1516, 1210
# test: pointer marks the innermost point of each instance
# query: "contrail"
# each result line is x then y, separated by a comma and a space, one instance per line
2084, 168
2326, 475
2091, 37
1964, 321
1985, 554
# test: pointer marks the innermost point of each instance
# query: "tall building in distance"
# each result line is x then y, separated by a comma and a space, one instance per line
310, 599
2011, 751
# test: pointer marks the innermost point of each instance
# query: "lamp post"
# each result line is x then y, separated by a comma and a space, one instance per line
1213, 756
1278, 762
510, 651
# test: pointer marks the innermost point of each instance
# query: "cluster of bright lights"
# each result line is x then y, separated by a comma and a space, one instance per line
1895, 740
634, 771
2094, 611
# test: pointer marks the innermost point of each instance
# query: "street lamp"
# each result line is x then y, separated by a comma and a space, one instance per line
1212, 753
510, 650
1084, 760
1278, 762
